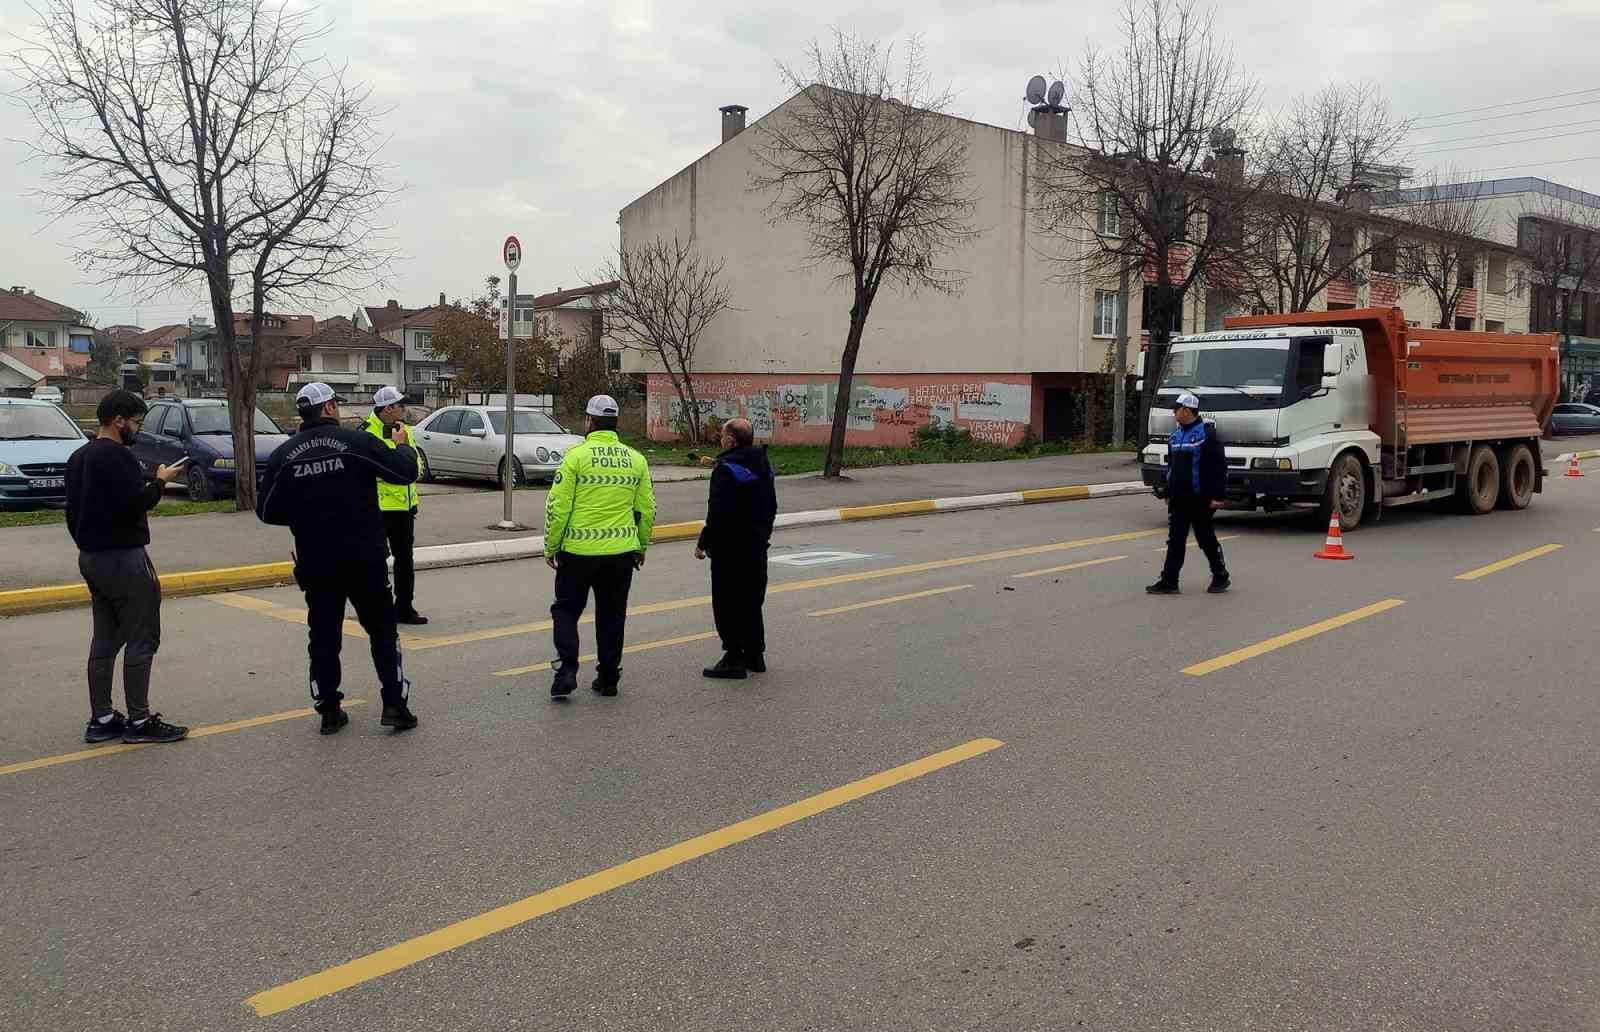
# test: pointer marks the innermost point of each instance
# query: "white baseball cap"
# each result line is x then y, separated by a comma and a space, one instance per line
601, 405
1187, 400
315, 395
386, 396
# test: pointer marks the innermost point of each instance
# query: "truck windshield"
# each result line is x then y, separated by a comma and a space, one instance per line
1256, 365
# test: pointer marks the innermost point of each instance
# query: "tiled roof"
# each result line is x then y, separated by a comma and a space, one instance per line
557, 298
340, 332
293, 325
384, 317
424, 318
157, 337
30, 306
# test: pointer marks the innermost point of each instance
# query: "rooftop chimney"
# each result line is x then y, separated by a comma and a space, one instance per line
1358, 197
392, 304
1049, 123
19, 290
441, 299
732, 120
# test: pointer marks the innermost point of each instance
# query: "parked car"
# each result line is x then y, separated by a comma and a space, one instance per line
36, 439
199, 428
469, 441
1574, 418
50, 394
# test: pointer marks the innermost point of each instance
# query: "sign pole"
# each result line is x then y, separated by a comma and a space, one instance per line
512, 252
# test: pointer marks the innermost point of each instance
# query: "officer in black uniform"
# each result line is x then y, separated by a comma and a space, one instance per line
322, 484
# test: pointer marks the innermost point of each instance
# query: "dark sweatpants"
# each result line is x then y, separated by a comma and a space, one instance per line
126, 599
1183, 512
401, 529
365, 585
610, 576
738, 590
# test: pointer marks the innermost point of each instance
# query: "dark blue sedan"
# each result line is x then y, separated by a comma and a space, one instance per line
199, 428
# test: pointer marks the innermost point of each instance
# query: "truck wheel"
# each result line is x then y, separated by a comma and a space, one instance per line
1346, 493
1517, 477
1481, 488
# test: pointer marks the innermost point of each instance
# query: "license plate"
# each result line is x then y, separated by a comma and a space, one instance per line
45, 483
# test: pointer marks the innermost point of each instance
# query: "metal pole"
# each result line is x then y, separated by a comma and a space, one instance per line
506, 522
1119, 374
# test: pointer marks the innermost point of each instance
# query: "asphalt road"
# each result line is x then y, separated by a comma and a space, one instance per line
1384, 824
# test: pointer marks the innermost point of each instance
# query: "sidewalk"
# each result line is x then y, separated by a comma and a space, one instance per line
44, 555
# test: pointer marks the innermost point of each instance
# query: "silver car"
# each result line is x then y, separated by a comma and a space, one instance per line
469, 441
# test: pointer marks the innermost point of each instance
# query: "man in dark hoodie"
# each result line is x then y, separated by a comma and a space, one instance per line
1197, 486
739, 516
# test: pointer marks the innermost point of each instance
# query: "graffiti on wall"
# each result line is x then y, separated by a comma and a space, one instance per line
888, 412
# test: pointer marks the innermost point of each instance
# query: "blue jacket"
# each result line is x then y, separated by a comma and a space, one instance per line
743, 502
1197, 465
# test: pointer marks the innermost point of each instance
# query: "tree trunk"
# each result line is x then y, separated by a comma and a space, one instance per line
694, 406
833, 464
1155, 358
688, 414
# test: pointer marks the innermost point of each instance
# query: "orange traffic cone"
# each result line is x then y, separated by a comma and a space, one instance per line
1334, 548
1572, 466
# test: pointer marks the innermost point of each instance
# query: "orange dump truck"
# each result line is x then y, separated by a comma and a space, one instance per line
1354, 412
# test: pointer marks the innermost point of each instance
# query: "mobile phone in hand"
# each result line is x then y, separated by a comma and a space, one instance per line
180, 463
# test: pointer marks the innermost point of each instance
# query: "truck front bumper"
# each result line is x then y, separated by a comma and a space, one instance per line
1248, 487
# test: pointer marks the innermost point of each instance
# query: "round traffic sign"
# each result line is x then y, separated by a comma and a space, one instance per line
512, 253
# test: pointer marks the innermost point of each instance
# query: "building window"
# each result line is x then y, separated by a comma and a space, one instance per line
1463, 322
1519, 285
1108, 216
614, 361
335, 363
303, 361
380, 363
1494, 326
1497, 275
1105, 313
40, 338
427, 374
1384, 256
1468, 277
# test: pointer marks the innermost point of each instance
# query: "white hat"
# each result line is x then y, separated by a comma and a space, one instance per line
1187, 400
383, 397
315, 395
602, 405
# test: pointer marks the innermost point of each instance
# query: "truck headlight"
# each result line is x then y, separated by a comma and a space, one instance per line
1271, 464
1153, 458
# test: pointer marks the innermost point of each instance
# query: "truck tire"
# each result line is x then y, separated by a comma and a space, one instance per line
1518, 474
1480, 488
1345, 494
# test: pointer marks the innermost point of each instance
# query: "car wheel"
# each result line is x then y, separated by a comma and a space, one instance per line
426, 476
518, 477
200, 488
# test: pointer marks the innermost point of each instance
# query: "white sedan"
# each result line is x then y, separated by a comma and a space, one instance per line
469, 441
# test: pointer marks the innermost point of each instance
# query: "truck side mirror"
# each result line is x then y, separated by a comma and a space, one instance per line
1332, 359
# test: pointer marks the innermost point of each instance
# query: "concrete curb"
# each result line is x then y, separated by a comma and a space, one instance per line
472, 553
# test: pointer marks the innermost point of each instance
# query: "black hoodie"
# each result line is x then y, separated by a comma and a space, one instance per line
744, 502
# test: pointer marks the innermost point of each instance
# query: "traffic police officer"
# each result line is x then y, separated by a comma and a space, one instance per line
597, 521
398, 502
322, 485
1197, 486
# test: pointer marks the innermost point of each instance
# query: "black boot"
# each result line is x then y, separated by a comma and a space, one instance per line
333, 720
1220, 582
408, 615
398, 717
605, 683
756, 663
565, 684
1162, 587
730, 668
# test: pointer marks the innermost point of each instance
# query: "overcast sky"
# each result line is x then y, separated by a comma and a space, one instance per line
544, 119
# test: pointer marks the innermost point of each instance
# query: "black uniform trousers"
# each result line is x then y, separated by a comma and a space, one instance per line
401, 529
365, 585
610, 577
738, 590
1185, 511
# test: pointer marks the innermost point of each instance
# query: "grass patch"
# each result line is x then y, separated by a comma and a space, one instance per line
807, 458
168, 507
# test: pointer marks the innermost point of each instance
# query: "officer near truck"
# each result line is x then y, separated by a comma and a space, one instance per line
1197, 486
398, 502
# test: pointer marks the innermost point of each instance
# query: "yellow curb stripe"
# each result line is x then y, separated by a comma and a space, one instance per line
1508, 562
891, 600
878, 512
1054, 494
454, 936
1290, 638
173, 585
644, 646
676, 531
1070, 566
198, 732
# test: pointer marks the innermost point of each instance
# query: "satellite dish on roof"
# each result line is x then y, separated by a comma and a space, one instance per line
1036, 90
1033, 118
1058, 89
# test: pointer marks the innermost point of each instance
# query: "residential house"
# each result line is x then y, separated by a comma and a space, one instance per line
575, 315
344, 356
156, 351
193, 356
278, 333
44, 335
426, 374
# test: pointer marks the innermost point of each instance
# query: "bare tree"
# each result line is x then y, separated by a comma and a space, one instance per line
1158, 184
667, 294
205, 149
1560, 238
1308, 220
1440, 253
868, 161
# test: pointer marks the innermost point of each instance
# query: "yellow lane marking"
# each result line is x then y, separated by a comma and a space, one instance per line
1283, 640
1191, 545
198, 732
395, 958
1070, 566
644, 646
891, 600
1520, 557
417, 644
288, 614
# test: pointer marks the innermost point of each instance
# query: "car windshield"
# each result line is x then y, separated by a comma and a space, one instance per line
1261, 365
527, 423
213, 419
36, 423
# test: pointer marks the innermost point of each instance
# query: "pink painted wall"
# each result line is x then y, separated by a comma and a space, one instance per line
797, 408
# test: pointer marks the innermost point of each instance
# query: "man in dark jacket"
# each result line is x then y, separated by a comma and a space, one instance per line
1197, 485
743, 505
108, 497
322, 484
